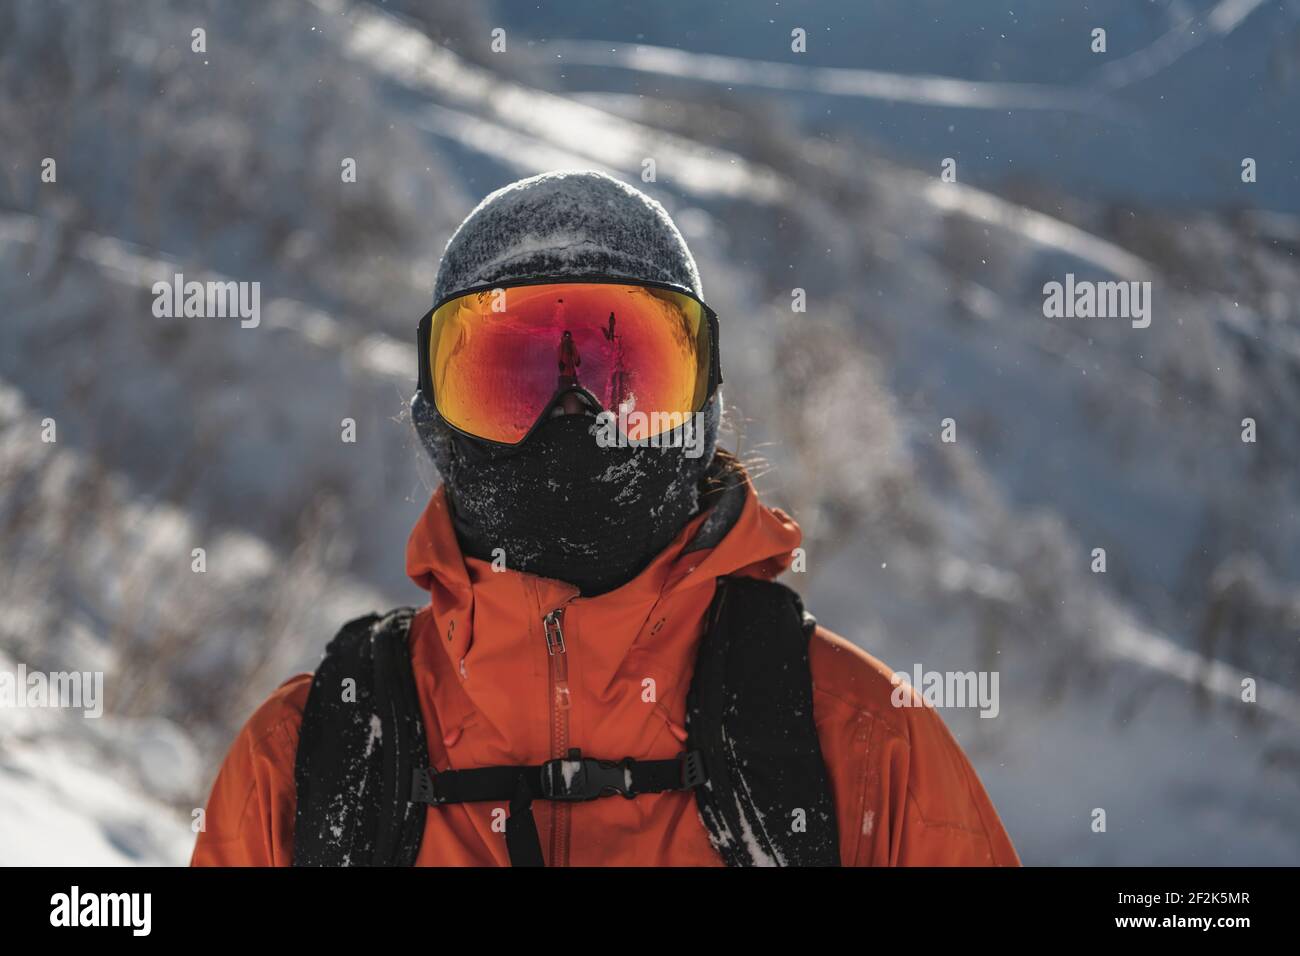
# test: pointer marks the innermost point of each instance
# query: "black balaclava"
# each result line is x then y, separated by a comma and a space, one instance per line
559, 505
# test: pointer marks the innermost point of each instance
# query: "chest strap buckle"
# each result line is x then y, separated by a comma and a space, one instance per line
576, 777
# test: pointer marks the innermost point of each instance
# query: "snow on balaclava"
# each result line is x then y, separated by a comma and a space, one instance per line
560, 505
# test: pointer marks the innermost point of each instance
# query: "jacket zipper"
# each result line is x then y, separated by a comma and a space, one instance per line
557, 655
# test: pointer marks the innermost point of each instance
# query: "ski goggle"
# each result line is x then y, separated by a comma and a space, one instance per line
494, 360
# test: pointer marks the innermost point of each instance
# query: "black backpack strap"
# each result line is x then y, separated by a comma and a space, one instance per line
767, 799
363, 737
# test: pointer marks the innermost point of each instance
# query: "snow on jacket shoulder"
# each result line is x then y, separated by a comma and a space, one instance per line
904, 792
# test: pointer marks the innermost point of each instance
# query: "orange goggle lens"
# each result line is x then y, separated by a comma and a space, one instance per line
498, 358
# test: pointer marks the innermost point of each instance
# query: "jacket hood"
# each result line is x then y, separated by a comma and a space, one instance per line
734, 534
480, 648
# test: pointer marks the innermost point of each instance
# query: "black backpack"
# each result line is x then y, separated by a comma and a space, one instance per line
752, 755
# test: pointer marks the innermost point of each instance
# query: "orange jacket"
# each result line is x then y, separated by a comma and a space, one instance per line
490, 693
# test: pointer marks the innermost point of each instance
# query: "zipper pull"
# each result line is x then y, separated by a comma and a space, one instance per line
554, 633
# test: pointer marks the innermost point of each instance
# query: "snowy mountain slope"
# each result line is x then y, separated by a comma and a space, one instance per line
174, 642
1183, 91
186, 430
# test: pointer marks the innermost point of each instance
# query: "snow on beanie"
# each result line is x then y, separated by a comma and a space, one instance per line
559, 505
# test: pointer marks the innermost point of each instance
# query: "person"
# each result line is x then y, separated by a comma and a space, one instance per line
569, 580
